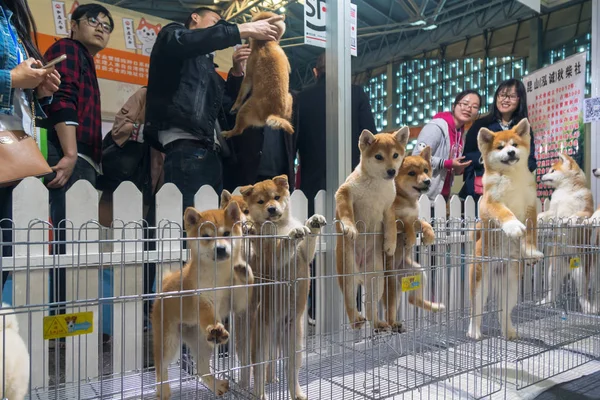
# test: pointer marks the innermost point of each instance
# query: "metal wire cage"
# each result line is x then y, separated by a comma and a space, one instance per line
107, 351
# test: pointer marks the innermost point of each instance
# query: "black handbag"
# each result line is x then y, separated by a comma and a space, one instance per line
120, 164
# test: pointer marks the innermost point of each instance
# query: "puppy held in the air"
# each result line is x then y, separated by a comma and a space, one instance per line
508, 203
267, 81
364, 203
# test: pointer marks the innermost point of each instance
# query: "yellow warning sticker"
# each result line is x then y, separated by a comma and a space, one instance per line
411, 283
575, 262
63, 325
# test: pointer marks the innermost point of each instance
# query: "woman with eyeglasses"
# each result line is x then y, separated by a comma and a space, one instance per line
24, 86
444, 134
508, 109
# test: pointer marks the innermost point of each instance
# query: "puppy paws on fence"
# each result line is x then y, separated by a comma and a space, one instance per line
299, 233
217, 334
514, 228
316, 222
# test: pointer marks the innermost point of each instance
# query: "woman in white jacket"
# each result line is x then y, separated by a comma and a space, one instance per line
444, 134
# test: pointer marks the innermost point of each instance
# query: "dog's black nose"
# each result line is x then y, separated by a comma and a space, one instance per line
594, 170
511, 153
391, 172
221, 251
272, 210
427, 182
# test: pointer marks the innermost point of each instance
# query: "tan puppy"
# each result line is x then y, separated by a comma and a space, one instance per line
213, 263
267, 80
413, 180
571, 200
279, 307
364, 202
509, 199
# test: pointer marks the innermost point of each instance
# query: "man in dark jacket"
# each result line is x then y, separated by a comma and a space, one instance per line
186, 96
310, 121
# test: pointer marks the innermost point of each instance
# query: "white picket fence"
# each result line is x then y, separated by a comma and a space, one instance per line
31, 263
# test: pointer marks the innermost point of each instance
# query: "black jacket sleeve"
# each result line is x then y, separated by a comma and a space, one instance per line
178, 41
531, 161
471, 151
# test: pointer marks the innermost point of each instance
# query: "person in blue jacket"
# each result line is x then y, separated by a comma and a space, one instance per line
508, 109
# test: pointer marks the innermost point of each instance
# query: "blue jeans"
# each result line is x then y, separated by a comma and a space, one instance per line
190, 165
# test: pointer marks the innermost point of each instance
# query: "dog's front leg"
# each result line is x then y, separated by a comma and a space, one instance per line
210, 323
243, 93
390, 232
530, 248
296, 338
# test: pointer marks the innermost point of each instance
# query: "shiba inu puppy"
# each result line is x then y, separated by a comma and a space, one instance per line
278, 309
227, 197
364, 202
508, 202
215, 262
267, 81
570, 202
14, 364
413, 180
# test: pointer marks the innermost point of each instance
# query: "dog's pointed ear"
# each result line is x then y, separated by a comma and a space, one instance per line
523, 127
191, 217
366, 139
234, 212
484, 137
225, 198
402, 135
246, 190
426, 154
282, 181
567, 160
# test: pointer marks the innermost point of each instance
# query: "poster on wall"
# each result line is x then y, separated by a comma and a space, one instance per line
555, 97
315, 29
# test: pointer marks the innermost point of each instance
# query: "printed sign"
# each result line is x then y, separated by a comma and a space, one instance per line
410, 283
315, 30
60, 18
574, 263
64, 325
128, 33
555, 105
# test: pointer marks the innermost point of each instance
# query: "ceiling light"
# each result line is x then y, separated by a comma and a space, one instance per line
418, 23
430, 27
282, 9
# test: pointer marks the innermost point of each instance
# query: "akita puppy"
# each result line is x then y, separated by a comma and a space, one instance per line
278, 308
215, 262
571, 201
413, 180
364, 202
508, 202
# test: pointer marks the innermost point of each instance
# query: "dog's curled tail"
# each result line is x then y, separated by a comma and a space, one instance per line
277, 122
8, 320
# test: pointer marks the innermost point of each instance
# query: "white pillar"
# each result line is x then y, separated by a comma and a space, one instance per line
595, 75
339, 150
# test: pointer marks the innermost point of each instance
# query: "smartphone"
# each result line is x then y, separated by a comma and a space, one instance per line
54, 62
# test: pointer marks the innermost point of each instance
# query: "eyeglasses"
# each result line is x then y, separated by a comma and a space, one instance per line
465, 106
511, 97
93, 22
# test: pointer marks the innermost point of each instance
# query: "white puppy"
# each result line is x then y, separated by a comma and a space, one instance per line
14, 358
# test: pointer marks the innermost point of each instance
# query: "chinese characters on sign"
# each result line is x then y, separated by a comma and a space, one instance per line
123, 68
555, 106
60, 17
129, 34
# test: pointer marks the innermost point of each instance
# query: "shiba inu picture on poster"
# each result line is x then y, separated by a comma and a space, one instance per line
508, 203
146, 34
216, 256
364, 201
413, 180
571, 202
277, 323
264, 98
